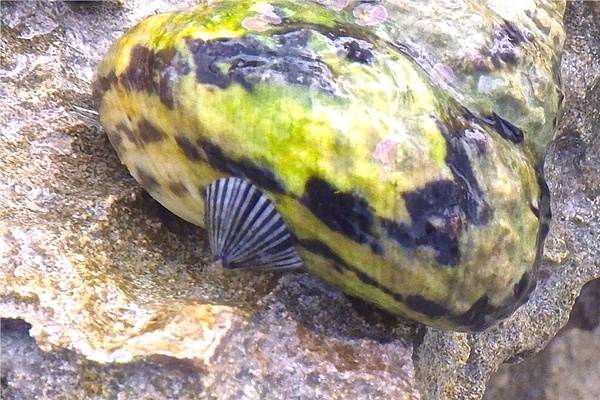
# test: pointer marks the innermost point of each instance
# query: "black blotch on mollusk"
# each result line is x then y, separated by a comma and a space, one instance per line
260, 176
513, 32
480, 315
147, 180
244, 228
341, 266
154, 72
342, 212
504, 128
471, 198
178, 189
148, 133
101, 85
132, 136
357, 50
441, 210
209, 55
320, 248
247, 61
138, 75
189, 149
170, 67
524, 286
116, 137
506, 39
425, 306
543, 214
437, 221
144, 134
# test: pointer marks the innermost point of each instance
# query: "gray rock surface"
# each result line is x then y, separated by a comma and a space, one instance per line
567, 369
105, 293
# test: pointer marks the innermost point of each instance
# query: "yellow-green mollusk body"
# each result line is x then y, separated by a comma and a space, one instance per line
392, 190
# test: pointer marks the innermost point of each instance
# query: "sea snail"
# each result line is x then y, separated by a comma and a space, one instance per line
311, 133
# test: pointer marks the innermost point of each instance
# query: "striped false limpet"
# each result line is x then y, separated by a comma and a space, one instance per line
337, 135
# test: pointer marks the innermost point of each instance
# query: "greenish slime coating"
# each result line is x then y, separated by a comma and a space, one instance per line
400, 183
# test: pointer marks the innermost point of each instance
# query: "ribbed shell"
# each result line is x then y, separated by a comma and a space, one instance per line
244, 228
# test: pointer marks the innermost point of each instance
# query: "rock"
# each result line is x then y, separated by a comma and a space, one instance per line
566, 369
119, 293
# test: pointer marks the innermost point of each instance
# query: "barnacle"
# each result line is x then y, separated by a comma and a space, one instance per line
387, 170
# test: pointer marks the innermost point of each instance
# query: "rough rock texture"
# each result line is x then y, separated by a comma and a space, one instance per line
119, 295
567, 369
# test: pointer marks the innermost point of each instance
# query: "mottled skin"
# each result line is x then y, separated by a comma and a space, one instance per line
393, 190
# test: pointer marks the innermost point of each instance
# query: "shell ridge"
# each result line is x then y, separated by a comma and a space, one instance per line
247, 210
266, 241
259, 231
233, 212
223, 217
245, 228
210, 218
276, 256
287, 258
